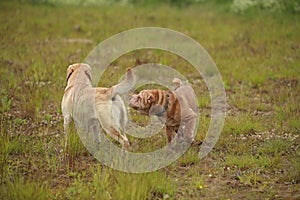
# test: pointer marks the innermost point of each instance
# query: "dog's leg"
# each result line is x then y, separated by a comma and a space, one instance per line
67, 120
119, 121
187, 127
170, 133
119, 137
190, 124
123, 121
94, 129
125, 141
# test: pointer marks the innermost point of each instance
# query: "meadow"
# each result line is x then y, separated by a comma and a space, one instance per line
257, 53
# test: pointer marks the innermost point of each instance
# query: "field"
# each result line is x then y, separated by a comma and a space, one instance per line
257, 53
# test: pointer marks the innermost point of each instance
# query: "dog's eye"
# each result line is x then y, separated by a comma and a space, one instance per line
113, 99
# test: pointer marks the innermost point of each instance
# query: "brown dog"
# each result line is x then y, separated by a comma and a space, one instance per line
178, 106
89, 106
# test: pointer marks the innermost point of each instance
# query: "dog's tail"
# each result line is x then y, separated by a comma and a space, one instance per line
125, 85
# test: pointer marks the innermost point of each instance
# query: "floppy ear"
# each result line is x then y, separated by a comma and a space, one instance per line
150, 99
88, 74
70, 71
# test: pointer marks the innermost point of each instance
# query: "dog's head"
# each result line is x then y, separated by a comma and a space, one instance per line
79, 72
144, 100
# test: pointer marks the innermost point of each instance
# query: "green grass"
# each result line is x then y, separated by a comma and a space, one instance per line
189, 158
275, 147
243, 124
257, 53
107, 184
20, 189
249, 161
4, 152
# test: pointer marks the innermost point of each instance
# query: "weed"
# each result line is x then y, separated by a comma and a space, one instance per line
24, 189
189, 158
109, 184
274, 147
74, 146
248, 161
294, 175
5, 101
4, 151
242, 124
204, 101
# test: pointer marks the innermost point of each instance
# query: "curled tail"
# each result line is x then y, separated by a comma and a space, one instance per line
125, 85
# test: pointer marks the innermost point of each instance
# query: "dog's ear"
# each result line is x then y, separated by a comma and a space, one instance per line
70, 71
88, 74
150, 99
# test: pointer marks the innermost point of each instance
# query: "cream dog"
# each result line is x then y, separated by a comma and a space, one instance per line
91, 107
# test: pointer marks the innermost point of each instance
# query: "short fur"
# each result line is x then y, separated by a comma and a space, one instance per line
95, 105
161, 102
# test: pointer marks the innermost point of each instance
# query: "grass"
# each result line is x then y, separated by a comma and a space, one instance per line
243, 124
257, 53
4, 151
274, 147
106, 184
249, 161
20, 189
